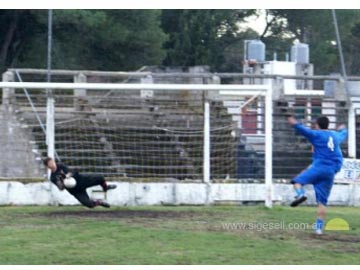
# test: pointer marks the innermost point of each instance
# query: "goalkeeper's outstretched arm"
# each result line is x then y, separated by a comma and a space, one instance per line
58, 172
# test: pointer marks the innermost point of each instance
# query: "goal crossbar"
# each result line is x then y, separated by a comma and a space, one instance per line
120, 86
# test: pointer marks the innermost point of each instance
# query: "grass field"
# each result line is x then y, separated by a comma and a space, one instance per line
172, 235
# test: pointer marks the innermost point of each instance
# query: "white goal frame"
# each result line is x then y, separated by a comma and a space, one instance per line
234, 89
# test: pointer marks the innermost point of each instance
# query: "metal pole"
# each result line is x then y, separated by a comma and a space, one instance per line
50, 127
352, 131
49, 47
268, 148
50, 111
244, 90
338, 40
206, 165
351, 112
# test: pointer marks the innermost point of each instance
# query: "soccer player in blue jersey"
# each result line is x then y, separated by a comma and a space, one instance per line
327, 161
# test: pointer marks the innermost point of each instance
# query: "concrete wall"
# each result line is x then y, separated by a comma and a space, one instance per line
18, 158
15, 193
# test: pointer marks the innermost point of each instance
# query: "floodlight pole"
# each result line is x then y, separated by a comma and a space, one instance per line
351, 113
49, 47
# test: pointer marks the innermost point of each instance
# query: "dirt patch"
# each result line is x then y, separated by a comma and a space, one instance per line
336, 238
338, 243
120, 214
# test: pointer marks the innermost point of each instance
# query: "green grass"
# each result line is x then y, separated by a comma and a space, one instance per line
171, 235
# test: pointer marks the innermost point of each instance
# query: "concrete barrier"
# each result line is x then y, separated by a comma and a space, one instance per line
16, 193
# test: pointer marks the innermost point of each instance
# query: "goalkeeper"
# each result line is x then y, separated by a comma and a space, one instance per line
83, 181
327, 161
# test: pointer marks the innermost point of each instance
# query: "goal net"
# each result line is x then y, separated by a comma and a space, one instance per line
153, 132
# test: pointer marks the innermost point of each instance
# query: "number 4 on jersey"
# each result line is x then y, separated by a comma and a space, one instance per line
330, 143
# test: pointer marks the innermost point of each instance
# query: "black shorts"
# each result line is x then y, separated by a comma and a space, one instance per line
84, 181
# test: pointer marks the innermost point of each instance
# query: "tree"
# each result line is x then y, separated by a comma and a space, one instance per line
201, 37
18, 27
316, 28
83, 39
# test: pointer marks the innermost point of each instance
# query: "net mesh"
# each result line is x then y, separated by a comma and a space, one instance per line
158, 135
149, 134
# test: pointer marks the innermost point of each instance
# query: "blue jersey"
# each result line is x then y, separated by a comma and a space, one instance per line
326, 144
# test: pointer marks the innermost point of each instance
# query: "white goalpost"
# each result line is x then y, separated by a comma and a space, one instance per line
209, 133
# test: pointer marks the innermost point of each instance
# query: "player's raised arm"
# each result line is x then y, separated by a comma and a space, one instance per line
342, 132
292, 120
305, 131
289, 113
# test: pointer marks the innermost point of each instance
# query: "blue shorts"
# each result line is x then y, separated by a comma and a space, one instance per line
322, 179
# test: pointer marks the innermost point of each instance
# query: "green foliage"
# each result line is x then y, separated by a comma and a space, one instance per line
129, 39
87, 39
316, 28
201, 37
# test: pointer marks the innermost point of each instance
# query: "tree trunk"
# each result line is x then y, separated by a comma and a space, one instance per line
17, 48
7, 40
268, 24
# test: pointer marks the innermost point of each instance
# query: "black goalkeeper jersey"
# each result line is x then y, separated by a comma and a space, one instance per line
59, 174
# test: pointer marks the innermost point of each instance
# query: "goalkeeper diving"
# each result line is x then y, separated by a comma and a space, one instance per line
59, 174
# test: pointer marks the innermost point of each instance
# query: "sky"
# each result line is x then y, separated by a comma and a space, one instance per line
257, 22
